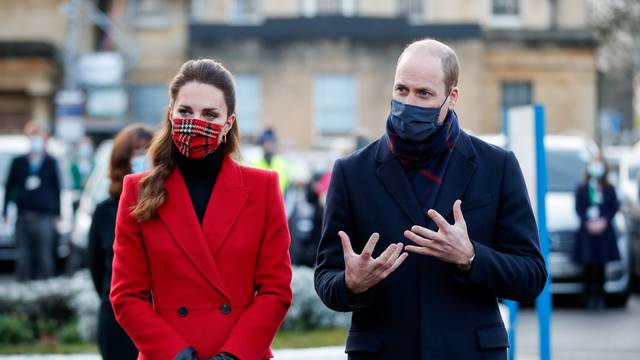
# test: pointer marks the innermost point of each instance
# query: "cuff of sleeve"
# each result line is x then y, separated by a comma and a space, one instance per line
227, 356
186, 354
352, 301
223, 356
471, 275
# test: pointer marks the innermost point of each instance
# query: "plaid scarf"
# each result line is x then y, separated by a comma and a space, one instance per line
195, 138
425, 162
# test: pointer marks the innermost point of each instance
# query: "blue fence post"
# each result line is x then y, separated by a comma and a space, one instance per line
544, 301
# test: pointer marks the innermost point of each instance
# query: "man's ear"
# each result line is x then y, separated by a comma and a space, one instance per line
453, 96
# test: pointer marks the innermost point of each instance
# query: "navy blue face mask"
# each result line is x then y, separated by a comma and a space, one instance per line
414, 123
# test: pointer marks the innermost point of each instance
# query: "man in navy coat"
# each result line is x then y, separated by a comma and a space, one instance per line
427, 227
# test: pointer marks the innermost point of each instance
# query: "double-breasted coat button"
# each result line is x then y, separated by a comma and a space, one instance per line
182, 311
225, 309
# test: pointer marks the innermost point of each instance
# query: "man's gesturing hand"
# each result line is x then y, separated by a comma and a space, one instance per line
451, 243
363, 271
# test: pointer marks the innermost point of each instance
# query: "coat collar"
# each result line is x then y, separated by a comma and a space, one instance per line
455, 180
202, 242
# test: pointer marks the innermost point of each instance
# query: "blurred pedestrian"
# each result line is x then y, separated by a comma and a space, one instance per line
83, 164
128, 155
304, 216
202, 238
33, 184
270, 159
596, 203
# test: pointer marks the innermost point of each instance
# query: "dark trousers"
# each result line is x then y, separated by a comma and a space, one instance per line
594, 277
35, 236
113, 341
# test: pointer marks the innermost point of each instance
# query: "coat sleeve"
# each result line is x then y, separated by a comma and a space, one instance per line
329, 273
57, 187
10, 185
253, 333
131, 286
581, 203
612, 205
95, 256
513, 268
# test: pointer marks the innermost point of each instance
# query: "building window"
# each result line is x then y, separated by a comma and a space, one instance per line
245, 11
150, 13
335, 101
506, 13
506, 7
411, 9
311, 8
248, 104
516, 94
149, 103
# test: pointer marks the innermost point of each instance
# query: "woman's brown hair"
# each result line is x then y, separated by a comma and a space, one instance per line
128, 140
152, 193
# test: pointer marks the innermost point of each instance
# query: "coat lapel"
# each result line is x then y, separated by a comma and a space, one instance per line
456, 177
391, 174
178, 215
225, 204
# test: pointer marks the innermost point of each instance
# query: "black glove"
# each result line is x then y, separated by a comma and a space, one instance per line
223, 356
187, 354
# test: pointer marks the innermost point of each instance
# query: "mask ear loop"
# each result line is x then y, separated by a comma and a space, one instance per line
445, 100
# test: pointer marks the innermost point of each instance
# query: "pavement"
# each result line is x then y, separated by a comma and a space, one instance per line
612, 334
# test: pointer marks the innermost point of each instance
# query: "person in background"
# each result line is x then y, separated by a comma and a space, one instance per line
83, 164
270, 160
33, 184
128, 155
303, 213
596, 203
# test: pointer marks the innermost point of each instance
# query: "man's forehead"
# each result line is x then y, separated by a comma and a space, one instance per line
420, 69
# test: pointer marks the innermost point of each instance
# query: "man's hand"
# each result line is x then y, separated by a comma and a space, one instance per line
450, 244
363, 271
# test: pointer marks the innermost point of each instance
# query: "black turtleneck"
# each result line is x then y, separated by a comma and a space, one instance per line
200, 176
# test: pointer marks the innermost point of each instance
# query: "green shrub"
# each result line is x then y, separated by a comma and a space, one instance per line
15, 329
47, 327
307, 310
50, 304
70, 334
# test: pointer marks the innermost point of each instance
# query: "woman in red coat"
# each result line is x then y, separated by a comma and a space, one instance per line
201, 265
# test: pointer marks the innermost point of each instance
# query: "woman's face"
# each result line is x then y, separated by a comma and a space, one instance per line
596, 168
202, 101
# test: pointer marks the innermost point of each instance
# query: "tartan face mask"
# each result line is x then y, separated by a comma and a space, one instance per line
195, 138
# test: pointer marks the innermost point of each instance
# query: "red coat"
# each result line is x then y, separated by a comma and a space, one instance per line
224, 285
